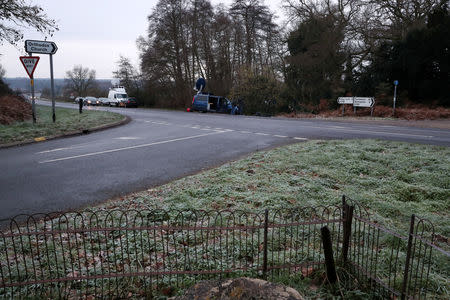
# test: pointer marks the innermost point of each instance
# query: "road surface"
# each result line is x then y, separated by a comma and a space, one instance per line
158, 146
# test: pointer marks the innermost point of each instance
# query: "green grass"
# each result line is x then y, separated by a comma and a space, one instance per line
393, 180
67, 121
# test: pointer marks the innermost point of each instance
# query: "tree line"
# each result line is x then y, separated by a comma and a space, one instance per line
329, 48
326, 49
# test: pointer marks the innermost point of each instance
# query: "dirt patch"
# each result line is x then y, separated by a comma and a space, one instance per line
240, 289
14, 109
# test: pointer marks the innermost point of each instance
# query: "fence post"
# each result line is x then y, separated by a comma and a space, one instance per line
347, 230
266, 229
408, 258
328, 252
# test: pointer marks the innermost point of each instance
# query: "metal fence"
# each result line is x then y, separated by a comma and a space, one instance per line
393, 265
139, 254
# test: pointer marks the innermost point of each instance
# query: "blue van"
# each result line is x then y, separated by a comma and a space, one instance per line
211, 103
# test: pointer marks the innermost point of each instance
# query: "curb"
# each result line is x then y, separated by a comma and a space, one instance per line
124, 121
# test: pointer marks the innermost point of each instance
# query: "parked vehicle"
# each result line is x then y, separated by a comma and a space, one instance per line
211, 103
103, 101
116, 95
91, 101
129, 102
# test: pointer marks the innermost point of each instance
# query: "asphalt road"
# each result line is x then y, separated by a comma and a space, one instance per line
158, 146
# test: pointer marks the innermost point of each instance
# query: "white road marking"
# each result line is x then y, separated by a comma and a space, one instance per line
260, 133
54, 150
280, 136
129, 148
127, 138
300, 138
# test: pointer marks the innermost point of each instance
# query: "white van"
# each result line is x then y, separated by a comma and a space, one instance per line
116, 95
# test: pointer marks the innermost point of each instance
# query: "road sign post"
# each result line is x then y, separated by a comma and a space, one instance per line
44, 47
343, 101
30, 63
53, 89
395, 97
364, 102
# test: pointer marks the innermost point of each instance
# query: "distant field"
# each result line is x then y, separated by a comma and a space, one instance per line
67, 120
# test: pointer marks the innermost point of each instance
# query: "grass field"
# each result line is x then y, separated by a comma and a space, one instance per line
392, 180
67, 121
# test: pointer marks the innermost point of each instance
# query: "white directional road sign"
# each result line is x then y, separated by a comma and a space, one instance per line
345, 100
43, 47
363, 101
29, 63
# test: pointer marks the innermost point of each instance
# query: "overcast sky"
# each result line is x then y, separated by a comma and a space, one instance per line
93, 33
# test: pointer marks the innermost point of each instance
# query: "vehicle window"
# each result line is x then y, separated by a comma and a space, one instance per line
121, 96
202, 97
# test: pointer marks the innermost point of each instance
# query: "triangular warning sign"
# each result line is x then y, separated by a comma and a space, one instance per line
29, 63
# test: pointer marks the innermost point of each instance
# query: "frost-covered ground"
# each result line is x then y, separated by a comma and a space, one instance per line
393, 180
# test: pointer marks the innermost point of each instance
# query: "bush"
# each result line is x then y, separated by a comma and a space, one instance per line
260, 92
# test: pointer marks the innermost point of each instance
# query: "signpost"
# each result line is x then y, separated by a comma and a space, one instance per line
357, 102
344, 100
30, 63
395, 96
363, 101
44, 47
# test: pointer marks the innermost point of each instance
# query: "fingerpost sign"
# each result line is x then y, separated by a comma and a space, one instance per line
44, 47
30, 63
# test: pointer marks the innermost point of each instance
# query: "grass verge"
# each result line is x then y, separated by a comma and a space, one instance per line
67, 121
393, 180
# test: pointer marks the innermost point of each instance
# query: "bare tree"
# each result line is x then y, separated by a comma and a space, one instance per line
79, 80
2, 72
16, 14
129, 77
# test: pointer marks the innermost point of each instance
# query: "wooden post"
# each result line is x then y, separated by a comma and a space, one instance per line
347, 228
328, 252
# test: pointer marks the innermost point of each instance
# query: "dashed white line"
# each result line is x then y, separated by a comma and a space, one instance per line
127, 138
129, 148
280, 136
260, 133
300, 138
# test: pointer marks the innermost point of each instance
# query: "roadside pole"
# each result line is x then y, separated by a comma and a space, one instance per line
395, 97
29, 63
33, 104
53, 89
